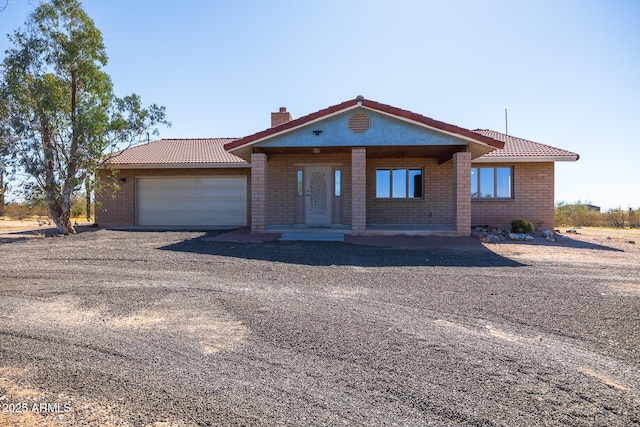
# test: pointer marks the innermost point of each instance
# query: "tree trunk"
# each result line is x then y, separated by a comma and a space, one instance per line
1, 191
60, 212
64, 225
58, 199
87, 188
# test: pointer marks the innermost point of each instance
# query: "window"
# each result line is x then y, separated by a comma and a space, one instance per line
336, 182
299, 183
399, 183
491, 183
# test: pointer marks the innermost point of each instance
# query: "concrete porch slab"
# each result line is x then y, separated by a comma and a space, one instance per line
302, 228
312, 237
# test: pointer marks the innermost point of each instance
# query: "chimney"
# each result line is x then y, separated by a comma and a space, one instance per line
280, 117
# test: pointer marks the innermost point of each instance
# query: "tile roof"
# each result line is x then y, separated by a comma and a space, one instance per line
384, 108
177, 151
515, 147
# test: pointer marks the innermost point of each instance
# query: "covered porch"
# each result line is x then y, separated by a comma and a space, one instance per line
284, 197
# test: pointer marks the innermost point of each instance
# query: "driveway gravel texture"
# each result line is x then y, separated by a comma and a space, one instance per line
130, 328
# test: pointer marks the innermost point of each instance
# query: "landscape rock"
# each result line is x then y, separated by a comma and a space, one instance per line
498, 235
547, 234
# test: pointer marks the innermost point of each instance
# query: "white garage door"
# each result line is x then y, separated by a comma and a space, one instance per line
197, 201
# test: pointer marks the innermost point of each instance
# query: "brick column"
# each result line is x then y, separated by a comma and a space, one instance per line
358, 190
258, 192
462, 192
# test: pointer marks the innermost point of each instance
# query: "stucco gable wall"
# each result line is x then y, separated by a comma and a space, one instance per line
533, 198
384, 130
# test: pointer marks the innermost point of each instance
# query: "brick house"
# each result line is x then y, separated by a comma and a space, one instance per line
359, 167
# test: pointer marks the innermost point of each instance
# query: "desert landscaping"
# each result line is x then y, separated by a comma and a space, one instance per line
139, 328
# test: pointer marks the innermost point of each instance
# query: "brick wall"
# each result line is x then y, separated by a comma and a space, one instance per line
359, 190
259, 190
282, 183
533, 198
117, 208
462, 192
436, 205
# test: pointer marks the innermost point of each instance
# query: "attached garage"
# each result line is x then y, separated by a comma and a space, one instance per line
192, 201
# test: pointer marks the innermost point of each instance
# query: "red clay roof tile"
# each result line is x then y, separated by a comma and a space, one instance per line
213, 150
520, 147
174, 151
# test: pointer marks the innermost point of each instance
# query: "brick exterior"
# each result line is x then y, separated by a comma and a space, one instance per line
358, 190
117, 208
533, 198
436, 205
462, 192
282, 182
259, 192
275, 193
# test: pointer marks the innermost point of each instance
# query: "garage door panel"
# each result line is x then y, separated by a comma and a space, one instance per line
181, 205
190, 218
192, 201
167, 183
206, 190
204, 197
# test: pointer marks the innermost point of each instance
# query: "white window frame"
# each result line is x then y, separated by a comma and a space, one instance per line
493, 196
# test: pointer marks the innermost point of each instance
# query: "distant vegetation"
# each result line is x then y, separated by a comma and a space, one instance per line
38, 208
581, 214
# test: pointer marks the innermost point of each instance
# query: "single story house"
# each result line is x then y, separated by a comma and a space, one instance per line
359, 166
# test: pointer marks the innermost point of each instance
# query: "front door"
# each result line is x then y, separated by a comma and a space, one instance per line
318, 195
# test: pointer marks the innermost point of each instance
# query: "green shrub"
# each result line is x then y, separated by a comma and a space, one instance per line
521, 226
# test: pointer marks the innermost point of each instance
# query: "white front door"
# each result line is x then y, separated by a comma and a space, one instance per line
318, 190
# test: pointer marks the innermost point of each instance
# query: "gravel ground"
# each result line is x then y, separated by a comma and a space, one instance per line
179, 329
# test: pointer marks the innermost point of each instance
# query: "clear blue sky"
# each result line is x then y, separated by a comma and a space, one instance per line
567, 70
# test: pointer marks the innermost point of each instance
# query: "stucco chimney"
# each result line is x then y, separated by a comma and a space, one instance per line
281, 117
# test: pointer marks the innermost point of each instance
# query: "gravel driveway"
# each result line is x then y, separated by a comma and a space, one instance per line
177, 329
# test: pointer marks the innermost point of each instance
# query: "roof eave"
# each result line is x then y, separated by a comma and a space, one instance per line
526, 159
230, 165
